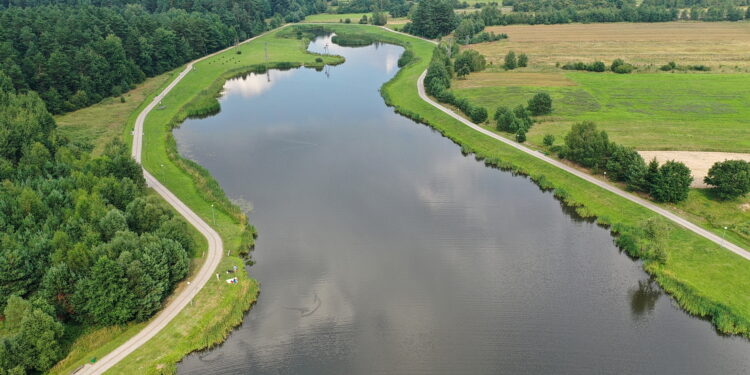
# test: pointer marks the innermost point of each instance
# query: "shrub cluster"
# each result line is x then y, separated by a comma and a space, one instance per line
405, 58
437, 82
596, 66
512, 62
590, 148
671, 66
621, 67
467, 62
518, 120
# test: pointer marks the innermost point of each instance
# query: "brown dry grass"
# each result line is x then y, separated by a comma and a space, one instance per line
494, 79
709, 43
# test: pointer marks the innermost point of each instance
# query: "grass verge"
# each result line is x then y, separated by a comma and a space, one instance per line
219, 306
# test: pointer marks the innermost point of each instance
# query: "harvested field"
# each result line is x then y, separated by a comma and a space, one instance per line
698, 162
689, 43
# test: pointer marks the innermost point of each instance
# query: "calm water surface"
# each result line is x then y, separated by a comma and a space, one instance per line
383, 250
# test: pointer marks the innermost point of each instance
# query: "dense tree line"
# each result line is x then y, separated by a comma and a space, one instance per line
396, 8
432, 19
469, 31
491, 15
79, 238
74, 56
437, 81
591, 148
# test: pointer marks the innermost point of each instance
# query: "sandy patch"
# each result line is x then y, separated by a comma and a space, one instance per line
699, 162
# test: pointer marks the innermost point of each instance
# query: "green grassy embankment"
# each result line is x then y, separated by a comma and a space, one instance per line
701, 276
219, 306
650, 111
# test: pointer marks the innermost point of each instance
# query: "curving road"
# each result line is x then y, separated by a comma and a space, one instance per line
604, 185
215, 244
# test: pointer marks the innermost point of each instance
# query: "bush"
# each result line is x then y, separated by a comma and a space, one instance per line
405, 58
587, 146
669, 66
510, 61
540, 104
549, 140
671, 183
730, 178
626, 165
521, 136
624, 69
478, 114
621, 67
616, 63
523, 60
379, 18
363, 20
469, 60
700, 68
318, 59
597, 66
348, 20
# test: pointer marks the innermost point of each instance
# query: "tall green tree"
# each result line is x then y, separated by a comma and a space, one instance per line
730, 178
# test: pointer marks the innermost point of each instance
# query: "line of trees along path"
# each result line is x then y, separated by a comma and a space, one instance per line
604, 185
215, 244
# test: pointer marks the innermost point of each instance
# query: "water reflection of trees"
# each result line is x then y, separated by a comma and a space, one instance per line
643, 299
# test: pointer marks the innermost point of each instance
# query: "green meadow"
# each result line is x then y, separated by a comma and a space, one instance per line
649, 111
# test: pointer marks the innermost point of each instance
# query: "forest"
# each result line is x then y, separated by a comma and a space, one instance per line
75, 56
83, 243
431, 19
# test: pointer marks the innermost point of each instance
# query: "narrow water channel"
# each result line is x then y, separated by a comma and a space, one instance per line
383, 249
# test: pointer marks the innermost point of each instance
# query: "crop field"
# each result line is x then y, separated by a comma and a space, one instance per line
656, 111
724, 46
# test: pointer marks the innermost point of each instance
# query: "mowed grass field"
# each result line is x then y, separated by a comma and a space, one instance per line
723, 46
653, 111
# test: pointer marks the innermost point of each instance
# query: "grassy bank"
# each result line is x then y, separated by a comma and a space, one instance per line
701, 276
219, 306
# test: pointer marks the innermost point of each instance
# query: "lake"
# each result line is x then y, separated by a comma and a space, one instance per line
383, 249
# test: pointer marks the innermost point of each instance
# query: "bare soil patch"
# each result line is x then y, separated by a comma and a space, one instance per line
698, 162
